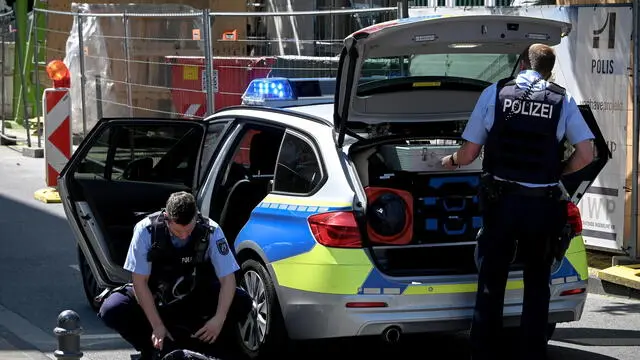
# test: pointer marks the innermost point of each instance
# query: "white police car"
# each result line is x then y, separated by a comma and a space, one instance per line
302, 192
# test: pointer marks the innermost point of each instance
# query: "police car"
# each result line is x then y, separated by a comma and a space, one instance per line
341, 218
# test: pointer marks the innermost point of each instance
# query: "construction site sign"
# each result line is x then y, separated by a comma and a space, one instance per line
600, 78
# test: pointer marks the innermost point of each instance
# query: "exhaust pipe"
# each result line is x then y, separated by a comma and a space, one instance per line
391, 335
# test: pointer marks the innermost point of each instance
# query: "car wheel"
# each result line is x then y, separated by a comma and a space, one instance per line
89, 283
263, 331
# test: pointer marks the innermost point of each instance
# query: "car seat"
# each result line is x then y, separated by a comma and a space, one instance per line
246, 194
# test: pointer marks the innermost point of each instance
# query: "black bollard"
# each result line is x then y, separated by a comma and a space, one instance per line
68, 333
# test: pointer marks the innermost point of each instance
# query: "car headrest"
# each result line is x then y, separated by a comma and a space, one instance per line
264, 152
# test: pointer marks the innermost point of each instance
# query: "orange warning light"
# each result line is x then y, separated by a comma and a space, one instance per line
59, 73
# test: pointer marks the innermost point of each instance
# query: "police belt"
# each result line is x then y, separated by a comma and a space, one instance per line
511, 188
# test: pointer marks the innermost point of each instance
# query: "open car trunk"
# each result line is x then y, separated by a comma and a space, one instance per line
435, 232
445, 216
427, 75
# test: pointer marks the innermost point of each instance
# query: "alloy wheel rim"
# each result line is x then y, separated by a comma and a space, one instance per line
253, 329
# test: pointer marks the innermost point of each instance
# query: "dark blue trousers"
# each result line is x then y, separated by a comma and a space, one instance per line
534, 222
121, 312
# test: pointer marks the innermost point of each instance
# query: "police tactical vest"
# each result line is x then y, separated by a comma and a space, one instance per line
178, 271
522, 144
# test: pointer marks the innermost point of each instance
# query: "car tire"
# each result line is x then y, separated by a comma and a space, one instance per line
273, 334
89, 283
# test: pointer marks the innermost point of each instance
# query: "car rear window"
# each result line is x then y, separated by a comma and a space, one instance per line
478, 66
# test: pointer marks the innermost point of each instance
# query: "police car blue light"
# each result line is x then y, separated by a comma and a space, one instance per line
285, 92
260, 90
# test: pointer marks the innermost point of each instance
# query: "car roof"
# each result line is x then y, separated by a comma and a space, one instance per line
323, 111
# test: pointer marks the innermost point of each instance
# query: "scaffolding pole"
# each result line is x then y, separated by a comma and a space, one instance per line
633, 242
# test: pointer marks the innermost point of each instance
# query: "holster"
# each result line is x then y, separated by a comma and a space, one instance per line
489, 191
564, 240
108, 291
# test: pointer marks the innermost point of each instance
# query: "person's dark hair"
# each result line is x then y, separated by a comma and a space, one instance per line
542, 58
181, 208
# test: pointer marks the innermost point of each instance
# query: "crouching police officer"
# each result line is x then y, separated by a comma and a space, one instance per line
183, 292
521, 123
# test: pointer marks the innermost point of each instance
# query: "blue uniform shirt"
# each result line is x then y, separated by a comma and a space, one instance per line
571, 122
136, 261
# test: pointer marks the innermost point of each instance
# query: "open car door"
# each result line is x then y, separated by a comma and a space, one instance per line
124, 170
578, 183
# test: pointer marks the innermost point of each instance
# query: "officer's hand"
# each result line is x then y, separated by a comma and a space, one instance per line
211, 329
447, 163
158, 336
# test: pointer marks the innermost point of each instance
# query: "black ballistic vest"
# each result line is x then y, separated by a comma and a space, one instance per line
523, 146
178, 271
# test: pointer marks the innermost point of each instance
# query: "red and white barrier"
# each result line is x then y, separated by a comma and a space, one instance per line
192, 111
56, 103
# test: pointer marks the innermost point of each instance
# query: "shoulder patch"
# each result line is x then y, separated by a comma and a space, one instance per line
223, 247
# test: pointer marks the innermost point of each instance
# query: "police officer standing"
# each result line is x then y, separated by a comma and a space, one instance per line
183, 291
521, 123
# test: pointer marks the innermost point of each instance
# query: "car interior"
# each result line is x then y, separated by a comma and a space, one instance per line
446, 215
246, 180
130, 172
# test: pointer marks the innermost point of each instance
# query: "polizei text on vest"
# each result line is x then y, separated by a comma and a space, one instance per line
531, 108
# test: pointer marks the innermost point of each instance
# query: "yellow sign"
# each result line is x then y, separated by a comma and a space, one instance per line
426, 84
195, 34
189, 72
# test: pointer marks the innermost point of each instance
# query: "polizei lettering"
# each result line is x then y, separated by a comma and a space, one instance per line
531, 108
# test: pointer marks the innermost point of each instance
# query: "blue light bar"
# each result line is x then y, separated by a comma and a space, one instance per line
264, 89
284, 92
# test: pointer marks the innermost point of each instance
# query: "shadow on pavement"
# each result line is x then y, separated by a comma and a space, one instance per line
38, 271
597, 337
619, 308
565, 353
452, 346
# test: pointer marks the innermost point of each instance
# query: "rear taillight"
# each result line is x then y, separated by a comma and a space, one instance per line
573, 292
366, 304
336, 229
574, 218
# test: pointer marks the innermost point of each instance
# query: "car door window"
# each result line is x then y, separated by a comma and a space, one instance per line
211, 141
155, 153
298, 169
95, 162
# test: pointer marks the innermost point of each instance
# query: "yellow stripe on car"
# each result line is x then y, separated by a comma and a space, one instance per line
324, 270
577, 256
436, 289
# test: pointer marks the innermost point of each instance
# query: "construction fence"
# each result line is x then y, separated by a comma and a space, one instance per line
7, 52
176, 62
